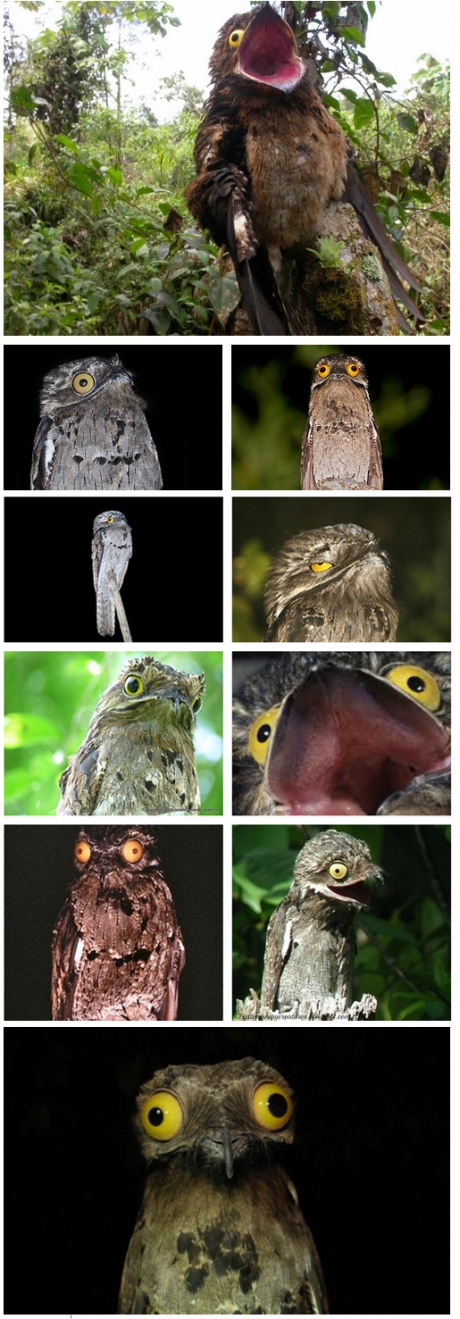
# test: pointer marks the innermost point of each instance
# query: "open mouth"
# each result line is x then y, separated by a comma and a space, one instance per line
268, 52
345, 741
358, 893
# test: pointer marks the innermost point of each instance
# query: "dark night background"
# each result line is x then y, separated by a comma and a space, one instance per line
173, 583
38, 870
175, 384
409, 392
371, 1168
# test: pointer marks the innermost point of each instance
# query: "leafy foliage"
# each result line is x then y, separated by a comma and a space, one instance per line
403, 946
49, 700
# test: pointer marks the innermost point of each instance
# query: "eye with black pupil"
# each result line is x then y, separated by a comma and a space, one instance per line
133, 686
416, 684
264, 733
277, 1105
196, 705
156, 1117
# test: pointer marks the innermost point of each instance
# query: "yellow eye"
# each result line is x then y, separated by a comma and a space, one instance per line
109, 519
260, 734
162, 1115
338, 871
320, 567
132, 850
235, 38
323, 370
133, 685
82, 852
353, 369
272, 1106
83, 382
196, 705
416, 683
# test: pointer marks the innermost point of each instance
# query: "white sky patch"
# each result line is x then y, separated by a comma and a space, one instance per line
400, 31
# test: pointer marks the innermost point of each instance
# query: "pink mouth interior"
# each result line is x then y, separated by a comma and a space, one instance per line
266, 54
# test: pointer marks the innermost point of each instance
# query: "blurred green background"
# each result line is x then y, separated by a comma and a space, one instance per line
414, 531
403, 944
49, 699
409, 390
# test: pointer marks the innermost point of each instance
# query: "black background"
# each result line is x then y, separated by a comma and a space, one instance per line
173, 583
371, 1167
38, 870
183, 391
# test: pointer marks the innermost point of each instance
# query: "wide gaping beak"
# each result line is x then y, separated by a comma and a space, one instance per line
268, 52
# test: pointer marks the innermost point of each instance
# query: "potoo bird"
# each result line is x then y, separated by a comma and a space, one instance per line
310, 944
220, 1230
93, 434
340, 446
138, 756
270, 159
117, 948
345, 733
331, 584
111, 551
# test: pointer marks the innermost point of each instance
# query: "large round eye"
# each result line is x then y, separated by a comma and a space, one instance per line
235, 38
320, 567
82, 851
323, 370
133, 685
417, 683
196, 705
353, 369
162, 1116
272, 1106
337, 870
132, 850
109, 519
83, 382
260, 734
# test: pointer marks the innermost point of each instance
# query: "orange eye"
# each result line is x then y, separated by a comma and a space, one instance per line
82, 852
132, 850
323, 370
353, 369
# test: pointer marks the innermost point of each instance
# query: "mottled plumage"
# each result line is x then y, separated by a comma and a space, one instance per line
138, 756
345, 733
331, 584
340, 445
220, 1230
111, 551
93, 434
310, 945
270, 159
117, 949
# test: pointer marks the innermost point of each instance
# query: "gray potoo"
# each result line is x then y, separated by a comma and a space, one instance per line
331, 584
340, 446
138, 756
111, 551
345, 733
93, 434
310, 944
117, 948
220, 1230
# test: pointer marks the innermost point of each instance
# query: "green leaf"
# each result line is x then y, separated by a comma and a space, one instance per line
22, 100
22, 730
407, 122
354, 34
441, 217
363, 112
67, 142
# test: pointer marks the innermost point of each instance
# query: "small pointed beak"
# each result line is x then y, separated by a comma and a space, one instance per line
228, 1152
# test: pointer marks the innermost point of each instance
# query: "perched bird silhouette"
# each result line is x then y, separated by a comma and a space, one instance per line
340, 445
270, 159
347, 733
138, 756
220, 1230
93, 434
117, 948
331, 584
310, 944
111, 551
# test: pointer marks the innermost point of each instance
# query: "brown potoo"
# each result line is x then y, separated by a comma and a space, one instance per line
220, 1230
117, 949
93, 434
111, 551
345, 733
340, 446
138, 756
331, 584
310, 944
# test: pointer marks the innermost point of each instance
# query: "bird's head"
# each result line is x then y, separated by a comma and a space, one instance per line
261, 47
339, 868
